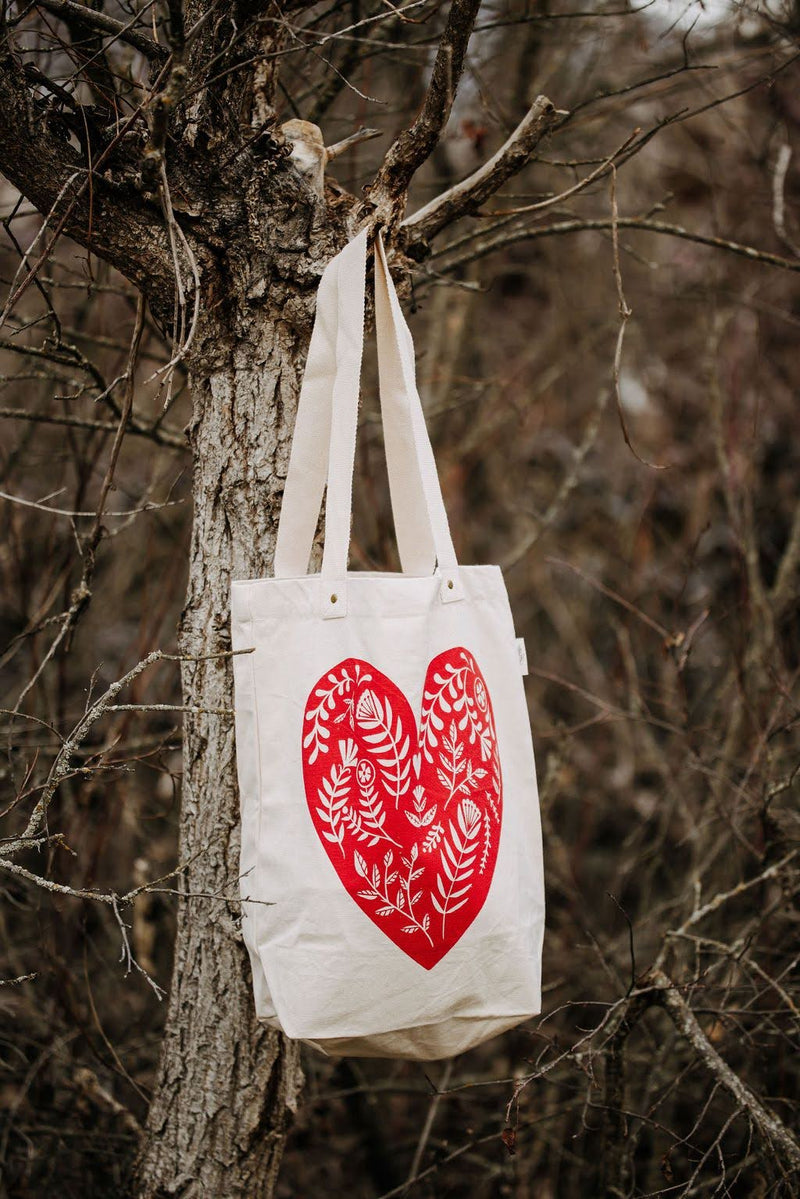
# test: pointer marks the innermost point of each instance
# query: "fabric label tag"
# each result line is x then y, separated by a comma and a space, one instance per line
523, 656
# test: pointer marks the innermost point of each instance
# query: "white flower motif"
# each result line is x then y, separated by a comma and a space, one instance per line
480, 695
365, 772
469, 815
368, 708
349, 752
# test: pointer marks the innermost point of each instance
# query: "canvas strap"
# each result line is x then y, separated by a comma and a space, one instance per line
324, 441
308, 464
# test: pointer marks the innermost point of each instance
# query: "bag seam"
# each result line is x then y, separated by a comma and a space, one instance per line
259, 788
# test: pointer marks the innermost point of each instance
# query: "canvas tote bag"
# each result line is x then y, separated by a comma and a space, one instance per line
391, 862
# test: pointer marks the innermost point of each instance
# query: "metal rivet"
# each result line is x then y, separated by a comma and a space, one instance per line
334, 599
450, 584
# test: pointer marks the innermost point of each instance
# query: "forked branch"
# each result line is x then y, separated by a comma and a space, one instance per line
414, 145
770, 1126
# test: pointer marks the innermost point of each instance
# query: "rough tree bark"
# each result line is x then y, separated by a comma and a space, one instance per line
242, 1081
259, 238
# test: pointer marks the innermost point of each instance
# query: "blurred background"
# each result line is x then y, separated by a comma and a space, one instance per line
646, 516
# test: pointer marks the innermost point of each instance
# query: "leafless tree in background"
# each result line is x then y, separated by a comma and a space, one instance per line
606, 293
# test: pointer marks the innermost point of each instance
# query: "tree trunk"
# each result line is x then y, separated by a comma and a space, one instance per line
226, 1086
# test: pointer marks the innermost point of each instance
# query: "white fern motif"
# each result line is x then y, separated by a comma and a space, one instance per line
469, 705
367, 821
457, 861
447, 695
455, 772
487, 841
386, 741
334, 794
494, 793
433, 838
476, 711
319, 733
404, 901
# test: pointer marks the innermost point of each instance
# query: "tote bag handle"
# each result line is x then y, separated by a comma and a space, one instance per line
308, 463
343, 278
325, 435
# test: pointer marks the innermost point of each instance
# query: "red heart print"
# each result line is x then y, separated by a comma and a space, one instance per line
410, 818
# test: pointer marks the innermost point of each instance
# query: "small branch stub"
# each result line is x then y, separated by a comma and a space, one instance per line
309, 154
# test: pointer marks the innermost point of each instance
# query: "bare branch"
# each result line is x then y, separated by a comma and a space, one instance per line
72, 514
90, 1084
467, 195
415, 144
310, 155
424, 1136
552, 201
82, 14
769, 1125
166, 100
487, 244
782, 161
783, 590
724, 897
161, 435
62, 762
567, 486
14, 982
625, 313
116, 224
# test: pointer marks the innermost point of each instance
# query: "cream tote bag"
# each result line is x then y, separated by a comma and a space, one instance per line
391, 862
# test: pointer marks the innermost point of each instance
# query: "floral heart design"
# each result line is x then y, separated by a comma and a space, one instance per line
410, 818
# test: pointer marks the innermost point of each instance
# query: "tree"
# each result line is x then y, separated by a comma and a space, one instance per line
168, 161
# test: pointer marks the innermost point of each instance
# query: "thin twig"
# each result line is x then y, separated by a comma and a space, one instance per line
161, 435
483, 245
576, 188
625, 313
433, 1107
